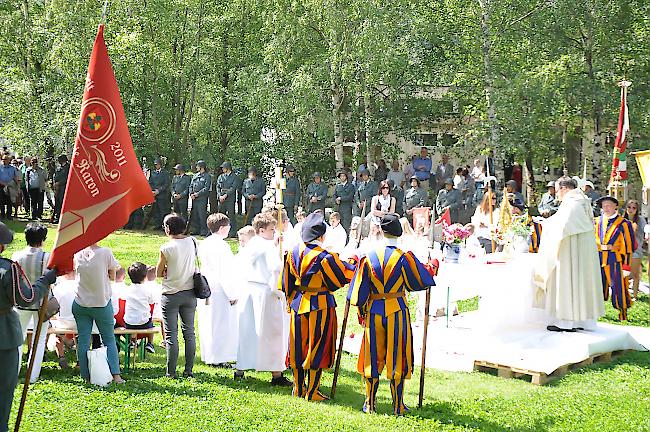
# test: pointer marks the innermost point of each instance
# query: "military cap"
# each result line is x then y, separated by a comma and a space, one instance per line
157, 161
179, 167
449, 181
201, 164
550, 184
364, 171
291, 168
317, 174
226, 165
62, 158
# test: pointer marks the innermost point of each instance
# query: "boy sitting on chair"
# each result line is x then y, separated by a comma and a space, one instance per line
139, 302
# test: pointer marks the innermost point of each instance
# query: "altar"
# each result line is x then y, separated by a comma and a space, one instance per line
504, 286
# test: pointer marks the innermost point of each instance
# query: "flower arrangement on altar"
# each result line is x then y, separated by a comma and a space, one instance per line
515, 236
455, 234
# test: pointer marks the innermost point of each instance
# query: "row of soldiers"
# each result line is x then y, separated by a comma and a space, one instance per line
350, 197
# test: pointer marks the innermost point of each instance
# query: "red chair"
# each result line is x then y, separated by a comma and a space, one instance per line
119, 316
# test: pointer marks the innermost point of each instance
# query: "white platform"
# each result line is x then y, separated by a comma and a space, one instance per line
527, 347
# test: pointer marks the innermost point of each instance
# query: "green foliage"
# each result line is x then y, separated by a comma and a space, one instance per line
202, 79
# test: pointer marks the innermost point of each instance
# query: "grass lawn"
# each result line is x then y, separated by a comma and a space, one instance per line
609, 397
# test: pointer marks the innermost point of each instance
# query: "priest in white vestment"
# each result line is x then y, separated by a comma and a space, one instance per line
567, 271
217, 315
263, 316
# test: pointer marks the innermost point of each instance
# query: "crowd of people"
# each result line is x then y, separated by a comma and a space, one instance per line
25, 186
419, 184
271, 307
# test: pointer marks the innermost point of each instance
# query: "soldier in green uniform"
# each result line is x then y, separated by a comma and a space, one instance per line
159, 183
180, 190
414, 197
292, 194
344, 198
366, 189
449, 198
227, 185
398, 193
253, 190
59, 183
316, 194
199, 191
11, 335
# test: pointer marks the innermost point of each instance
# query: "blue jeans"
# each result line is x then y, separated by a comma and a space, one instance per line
103, 316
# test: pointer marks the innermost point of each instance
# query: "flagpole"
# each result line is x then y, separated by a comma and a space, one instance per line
32, 357
104, 11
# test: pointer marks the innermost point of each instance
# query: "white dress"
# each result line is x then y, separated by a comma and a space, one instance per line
217, 318
263, 316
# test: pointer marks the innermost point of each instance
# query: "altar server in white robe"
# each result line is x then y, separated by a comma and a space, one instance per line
263, 316
567, 271
336, 237
217, 315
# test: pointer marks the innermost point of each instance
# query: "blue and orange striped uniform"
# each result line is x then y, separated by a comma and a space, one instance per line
309, 277
378, 288
619, 234
535, 236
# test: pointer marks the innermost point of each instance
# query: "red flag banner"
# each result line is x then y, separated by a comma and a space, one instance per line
444, 219
106, 182
619, 161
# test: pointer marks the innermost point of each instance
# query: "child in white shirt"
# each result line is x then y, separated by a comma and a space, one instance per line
335, 238
139, 300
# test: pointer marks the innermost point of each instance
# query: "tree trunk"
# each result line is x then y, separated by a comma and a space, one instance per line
197, 53
226, 112
488, 79
598, 149
371, 148
530, 178
337, 104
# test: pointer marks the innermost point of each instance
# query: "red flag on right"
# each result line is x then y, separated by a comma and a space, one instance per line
106, 183
619, 161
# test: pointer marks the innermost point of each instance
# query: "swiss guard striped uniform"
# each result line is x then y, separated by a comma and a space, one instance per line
619, 233
535, 236
378, 289
310, 276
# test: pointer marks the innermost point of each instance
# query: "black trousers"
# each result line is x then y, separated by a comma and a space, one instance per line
199, 215
253, 208
58, 204
8, 380
160, 209
25, 192
228, 208
180, 207
6, 206
36, 197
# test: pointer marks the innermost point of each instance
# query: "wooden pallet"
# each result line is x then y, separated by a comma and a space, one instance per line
541, 378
